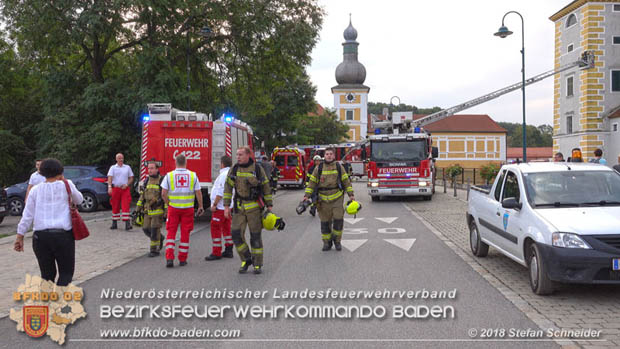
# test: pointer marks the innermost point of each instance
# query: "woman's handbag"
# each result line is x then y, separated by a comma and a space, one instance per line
80, 231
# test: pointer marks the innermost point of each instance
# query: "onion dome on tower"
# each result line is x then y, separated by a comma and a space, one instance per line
350, 71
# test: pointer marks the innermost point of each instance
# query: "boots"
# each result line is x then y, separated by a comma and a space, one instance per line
257, 269
244, 266
327, 245
212, 257
338, 245
228, 252
114, 225
169, 263
127, 225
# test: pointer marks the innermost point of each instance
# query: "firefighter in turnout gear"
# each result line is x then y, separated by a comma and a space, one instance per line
331, 181
252, 195
152, 206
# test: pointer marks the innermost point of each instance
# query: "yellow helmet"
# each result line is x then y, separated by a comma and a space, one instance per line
138, 218
353, 207
271, 221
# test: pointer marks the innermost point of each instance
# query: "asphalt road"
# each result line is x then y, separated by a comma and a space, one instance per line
385, 248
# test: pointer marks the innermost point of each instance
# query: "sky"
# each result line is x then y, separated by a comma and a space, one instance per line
443, 53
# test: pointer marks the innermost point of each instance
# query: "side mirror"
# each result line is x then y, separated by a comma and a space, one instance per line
435, 152
511, 203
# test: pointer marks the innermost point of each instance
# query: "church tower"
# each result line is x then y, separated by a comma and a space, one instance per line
351, 95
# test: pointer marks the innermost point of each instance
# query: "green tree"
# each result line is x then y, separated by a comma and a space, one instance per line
377, 108
321, 129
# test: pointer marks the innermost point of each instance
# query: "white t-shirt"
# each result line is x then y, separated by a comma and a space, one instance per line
48, 206
218, 188
120, 175
36, 178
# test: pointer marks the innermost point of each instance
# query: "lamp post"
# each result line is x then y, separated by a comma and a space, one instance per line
502, 33
204, 32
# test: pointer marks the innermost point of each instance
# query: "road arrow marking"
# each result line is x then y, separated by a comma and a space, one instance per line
387, 220
355, 231
405, 244
353, 245
391, 231
352, 220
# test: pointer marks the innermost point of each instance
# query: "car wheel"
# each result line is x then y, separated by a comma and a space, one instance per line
1, 219
16, 206
539, 281
478, 248
374, 198
89, 204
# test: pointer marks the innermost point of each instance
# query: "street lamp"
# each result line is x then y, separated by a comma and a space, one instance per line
204, 32
502, 33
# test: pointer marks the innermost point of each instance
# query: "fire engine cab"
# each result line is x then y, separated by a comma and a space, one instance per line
168, 132
401, 163
291, 162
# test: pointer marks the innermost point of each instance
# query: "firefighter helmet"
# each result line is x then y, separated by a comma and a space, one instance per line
317, 158
271, 221
137, 218
353, 207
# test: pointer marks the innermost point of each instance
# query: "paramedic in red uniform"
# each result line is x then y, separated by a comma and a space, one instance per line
179, 189
220, 224
120, 178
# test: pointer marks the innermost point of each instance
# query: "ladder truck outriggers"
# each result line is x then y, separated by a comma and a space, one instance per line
400, 158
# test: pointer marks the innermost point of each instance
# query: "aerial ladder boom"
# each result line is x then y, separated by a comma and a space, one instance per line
586, 61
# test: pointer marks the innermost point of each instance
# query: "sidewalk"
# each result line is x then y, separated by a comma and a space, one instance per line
102, 251
571, 307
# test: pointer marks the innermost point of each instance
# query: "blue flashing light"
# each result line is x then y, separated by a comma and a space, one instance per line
146, 117
377, 131
228, 118
416, 130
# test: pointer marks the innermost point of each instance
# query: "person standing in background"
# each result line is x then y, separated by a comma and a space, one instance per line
120, 178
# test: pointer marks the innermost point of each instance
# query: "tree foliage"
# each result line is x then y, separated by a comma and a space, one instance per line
540, 136
377, 108
321, 129
75, 75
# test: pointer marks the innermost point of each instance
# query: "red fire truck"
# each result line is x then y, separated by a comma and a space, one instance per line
292, 164
168, 132
401, 163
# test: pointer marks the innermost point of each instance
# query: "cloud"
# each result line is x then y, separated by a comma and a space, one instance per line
443, 53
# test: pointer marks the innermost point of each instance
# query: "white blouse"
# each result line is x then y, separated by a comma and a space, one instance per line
47, 205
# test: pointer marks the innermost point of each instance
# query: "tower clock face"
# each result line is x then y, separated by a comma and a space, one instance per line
350, 97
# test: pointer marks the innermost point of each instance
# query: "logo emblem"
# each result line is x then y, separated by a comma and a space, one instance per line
181, 180
35, 320
506, 215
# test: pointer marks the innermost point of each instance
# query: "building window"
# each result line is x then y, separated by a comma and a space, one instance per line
569, 124
614, 127
616, 40
569, 86
616, 8
349, 114
571, 21
569, 48
615, 81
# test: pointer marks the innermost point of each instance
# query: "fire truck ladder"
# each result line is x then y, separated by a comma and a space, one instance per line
585, 62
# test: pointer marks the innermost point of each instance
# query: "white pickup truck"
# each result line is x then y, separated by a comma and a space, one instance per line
561, 220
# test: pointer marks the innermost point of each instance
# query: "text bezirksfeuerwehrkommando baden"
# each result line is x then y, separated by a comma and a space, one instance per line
277, 294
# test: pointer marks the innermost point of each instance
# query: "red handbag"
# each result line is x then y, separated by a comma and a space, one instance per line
80, 231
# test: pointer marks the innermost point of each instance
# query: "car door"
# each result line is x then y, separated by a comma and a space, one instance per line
510, 219
488, 215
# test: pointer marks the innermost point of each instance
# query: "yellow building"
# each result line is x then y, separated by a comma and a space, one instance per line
471, 141
586, 102
351, 95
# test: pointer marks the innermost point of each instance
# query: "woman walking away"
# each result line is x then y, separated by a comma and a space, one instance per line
48, 207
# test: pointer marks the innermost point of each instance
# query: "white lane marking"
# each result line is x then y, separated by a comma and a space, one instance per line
391, 231
355, 231
387, 220
405, 244
353, 245
352, 220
